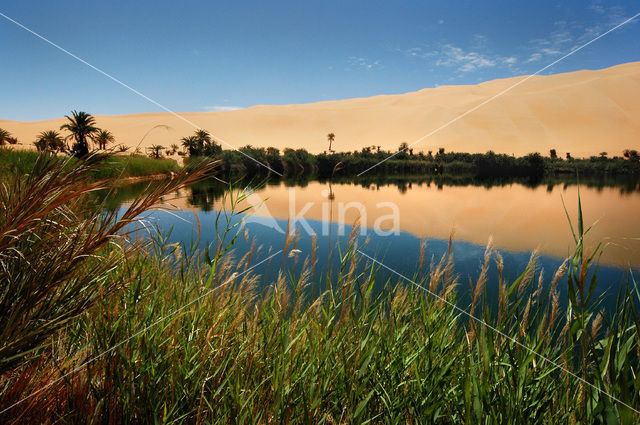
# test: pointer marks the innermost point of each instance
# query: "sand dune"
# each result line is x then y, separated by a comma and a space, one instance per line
583, 112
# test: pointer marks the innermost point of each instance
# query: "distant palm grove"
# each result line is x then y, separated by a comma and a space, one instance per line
83, 136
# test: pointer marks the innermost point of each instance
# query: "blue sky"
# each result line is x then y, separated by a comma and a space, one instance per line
212, 55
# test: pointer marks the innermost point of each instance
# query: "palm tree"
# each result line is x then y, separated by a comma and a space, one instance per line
103, 138
49, 140
204, 141
4, 136
631, 154
331, 137
174, 148
82, 128
155, 151
402, 150
41, 145
191, 144
206, 144
203, 136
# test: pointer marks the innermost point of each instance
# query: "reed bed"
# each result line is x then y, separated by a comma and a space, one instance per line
175, 336
114, 166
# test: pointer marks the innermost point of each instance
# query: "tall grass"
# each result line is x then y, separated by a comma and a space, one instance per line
250, 353
57, 249
136, 166
114, 166
13, 160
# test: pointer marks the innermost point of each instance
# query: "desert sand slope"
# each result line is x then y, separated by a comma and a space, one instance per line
583, 112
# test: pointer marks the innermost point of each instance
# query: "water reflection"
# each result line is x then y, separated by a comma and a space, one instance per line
521, 214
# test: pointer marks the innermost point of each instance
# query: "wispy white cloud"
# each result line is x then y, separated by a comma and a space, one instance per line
418, 52
465, 61
480, 42
221, 108
462, 60
365, 63
555, 43
477, 54
569, 35
535, 57
610, 16
597, 7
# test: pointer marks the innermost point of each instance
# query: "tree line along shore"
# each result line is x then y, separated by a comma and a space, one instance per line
82, 136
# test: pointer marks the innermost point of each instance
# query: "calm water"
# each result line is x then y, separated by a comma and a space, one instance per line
519, 217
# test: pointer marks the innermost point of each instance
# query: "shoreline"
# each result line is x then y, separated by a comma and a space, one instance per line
123, 181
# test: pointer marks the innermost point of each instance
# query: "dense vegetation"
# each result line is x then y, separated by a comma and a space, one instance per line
97, 329
111, 166
87, 139
252, 161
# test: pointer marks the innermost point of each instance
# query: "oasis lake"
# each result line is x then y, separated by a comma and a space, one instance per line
397, 215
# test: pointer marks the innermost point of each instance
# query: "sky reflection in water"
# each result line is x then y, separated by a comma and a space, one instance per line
519, 218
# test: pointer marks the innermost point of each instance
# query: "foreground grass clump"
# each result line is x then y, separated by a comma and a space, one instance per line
196, 355
57, 249
182, 338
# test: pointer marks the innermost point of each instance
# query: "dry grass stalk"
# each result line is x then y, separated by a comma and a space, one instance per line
529, 274
423, 249
557, 276
525, 319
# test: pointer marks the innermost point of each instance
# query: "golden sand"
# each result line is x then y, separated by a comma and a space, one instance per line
583, 112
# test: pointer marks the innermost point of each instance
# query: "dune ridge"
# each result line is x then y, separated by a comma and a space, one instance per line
581, 112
